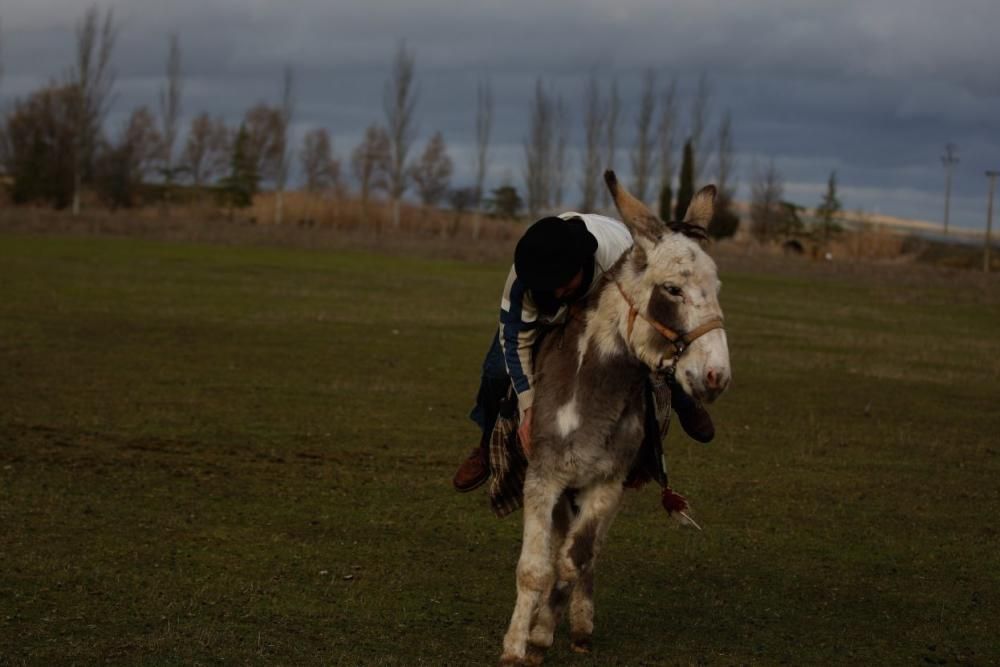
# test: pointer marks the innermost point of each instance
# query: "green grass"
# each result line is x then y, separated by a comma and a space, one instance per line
224, 455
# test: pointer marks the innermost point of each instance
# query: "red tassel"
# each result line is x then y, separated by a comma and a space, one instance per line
673, 502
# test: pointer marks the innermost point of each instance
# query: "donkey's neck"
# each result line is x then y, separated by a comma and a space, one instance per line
591, 359
605, 317
589, 397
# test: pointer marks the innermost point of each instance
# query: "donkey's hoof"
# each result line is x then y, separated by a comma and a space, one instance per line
582, 645
534, 656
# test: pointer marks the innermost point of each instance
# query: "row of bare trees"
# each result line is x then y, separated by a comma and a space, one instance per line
54, 142
652, 151
381, 161
258, 149
67, 118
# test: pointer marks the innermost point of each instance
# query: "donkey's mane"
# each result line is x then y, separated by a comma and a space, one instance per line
687, 229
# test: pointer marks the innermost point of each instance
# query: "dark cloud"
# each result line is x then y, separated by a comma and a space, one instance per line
873, 89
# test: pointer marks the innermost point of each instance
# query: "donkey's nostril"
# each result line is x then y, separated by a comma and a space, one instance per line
712, 379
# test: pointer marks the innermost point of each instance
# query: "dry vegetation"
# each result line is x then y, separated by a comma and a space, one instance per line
337, 220
312, 221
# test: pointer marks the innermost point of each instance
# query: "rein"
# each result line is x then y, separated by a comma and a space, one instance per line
680, 341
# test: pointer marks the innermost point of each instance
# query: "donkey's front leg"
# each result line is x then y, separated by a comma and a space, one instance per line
550, 607
598, 507
535, 573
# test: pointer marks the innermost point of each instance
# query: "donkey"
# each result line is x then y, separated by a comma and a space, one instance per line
655, 311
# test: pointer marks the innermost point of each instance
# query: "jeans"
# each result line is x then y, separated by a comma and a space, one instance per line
493, 386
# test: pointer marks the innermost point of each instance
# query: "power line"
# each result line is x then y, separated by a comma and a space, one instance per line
949, 160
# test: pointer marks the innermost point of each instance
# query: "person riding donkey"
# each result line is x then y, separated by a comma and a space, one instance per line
557, 263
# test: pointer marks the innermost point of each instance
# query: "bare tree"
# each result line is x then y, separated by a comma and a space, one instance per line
370, 164
561, 121
1, 51
400, 102
644, 149
432, 174
283, 149
765, 205
699, 123
614, 111
538, 151
949, 160
206, 152
484, 125
143, 141
170, 109
594, 116
123, 166
321, 169
263, 145
93, 80
4, 147
724, 162
666, 133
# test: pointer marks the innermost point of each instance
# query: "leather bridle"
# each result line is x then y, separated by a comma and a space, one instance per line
680, 341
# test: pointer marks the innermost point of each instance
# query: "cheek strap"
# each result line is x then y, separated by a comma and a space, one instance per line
678, 340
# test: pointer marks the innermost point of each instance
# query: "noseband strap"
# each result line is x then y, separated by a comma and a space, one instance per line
680, 341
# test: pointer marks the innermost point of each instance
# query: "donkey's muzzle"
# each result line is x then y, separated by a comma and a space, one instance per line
712, 384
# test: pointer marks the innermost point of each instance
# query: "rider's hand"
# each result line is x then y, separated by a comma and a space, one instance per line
524, 433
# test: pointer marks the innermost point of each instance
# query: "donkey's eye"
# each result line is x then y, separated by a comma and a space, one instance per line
673, 290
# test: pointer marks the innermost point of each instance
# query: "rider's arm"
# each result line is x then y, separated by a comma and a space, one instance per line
518, 330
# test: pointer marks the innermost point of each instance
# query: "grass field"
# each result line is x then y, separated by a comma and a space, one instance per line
228, 455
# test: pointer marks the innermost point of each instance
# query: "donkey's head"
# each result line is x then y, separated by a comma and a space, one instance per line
672, 287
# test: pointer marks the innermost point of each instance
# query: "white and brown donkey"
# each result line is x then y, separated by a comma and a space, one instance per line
656, 310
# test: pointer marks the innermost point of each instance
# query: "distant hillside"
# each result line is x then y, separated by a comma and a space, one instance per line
857, 220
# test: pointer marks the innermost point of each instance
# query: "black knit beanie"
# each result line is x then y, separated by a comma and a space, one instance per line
552, 251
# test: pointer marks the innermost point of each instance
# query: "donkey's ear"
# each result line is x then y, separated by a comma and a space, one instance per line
702, 207
639, 219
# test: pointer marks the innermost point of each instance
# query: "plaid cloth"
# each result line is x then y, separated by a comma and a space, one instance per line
508, 463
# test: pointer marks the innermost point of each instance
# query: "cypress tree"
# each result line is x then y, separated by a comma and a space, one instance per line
666, 198
241, 184
685, 192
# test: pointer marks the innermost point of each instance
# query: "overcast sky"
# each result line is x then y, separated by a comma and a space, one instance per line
873, 89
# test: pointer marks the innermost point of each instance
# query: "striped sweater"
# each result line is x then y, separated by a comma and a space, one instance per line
519, 316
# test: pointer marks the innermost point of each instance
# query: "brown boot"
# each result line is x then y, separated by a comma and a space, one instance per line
473, 472
693, 416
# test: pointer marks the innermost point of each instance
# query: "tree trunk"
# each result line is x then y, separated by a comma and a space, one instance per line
279, 206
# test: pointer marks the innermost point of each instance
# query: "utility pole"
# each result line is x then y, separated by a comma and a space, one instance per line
949, 160
992, 175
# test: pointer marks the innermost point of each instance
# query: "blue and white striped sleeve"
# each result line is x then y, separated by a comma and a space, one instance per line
518, 331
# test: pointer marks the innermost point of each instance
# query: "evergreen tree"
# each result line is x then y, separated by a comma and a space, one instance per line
505, 202
724, 223
666, 198
828, 208
241, 184
685, 192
